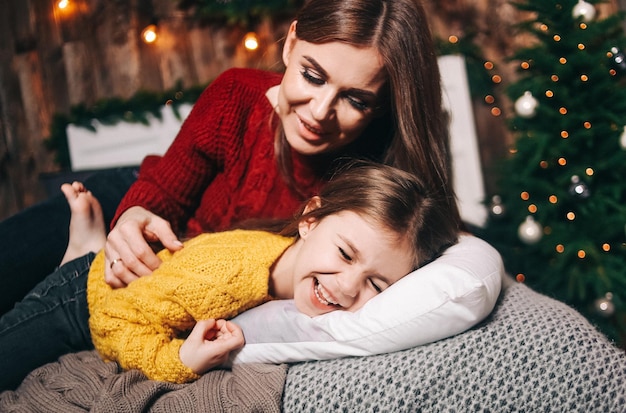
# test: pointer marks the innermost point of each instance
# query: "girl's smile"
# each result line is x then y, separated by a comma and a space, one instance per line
322, 295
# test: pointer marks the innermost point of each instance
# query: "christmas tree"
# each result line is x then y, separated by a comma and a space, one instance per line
559, 217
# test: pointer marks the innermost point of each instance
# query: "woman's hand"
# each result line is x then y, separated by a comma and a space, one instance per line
128, 255
209, 344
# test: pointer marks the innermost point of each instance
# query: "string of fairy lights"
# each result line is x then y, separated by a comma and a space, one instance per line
150, 33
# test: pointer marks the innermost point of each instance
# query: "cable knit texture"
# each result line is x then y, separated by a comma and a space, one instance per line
215, 275
82, 382
534, 354
220, 169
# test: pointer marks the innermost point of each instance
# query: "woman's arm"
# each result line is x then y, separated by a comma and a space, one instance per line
169, 189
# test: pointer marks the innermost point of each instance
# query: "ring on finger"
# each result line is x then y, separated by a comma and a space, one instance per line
114, 262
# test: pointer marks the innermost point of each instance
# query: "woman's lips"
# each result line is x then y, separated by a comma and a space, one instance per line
310, 133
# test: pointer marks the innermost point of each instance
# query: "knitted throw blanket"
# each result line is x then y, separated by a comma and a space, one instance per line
82, 382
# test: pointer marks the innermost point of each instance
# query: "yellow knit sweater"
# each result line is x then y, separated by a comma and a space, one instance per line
215, 275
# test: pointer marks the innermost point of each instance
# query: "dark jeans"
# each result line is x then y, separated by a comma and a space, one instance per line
52, 320
32, 242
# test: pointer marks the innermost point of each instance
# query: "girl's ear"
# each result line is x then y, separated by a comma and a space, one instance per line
306, 225
290, 42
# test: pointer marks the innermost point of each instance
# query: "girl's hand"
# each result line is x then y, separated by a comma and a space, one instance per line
209, 344
128, 255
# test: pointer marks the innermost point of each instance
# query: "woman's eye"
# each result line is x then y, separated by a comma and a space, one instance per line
358, 104
344, 255
376, 287
312, 78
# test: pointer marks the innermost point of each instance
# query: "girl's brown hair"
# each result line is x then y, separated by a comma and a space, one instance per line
412, 136
391, 198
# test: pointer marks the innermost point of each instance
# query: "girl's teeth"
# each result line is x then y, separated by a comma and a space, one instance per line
322, 296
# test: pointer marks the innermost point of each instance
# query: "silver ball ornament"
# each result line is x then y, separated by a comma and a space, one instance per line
585, 10
618, 60
496, 208
578, 188
526, 105
530, 231
604, 305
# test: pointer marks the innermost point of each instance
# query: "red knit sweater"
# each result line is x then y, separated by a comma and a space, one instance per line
220, 169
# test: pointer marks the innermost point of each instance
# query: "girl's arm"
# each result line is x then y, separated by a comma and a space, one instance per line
141, 331
144, 325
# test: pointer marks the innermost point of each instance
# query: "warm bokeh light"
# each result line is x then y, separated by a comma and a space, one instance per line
63, 4
251, 41
149, 34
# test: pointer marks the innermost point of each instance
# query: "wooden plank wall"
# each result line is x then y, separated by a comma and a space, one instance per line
52, 59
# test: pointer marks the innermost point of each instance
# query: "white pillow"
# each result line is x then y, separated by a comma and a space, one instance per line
439, 300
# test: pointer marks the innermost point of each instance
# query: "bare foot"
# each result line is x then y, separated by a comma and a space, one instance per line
87, 230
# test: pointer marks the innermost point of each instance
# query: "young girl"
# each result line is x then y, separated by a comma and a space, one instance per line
368, 227
361, 78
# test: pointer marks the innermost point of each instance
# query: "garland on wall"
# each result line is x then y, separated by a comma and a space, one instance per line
114, 110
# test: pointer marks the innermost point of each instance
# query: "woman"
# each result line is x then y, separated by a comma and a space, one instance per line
369, 227
361, 79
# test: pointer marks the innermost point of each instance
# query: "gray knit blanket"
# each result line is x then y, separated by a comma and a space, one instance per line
82, 382
533, 354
